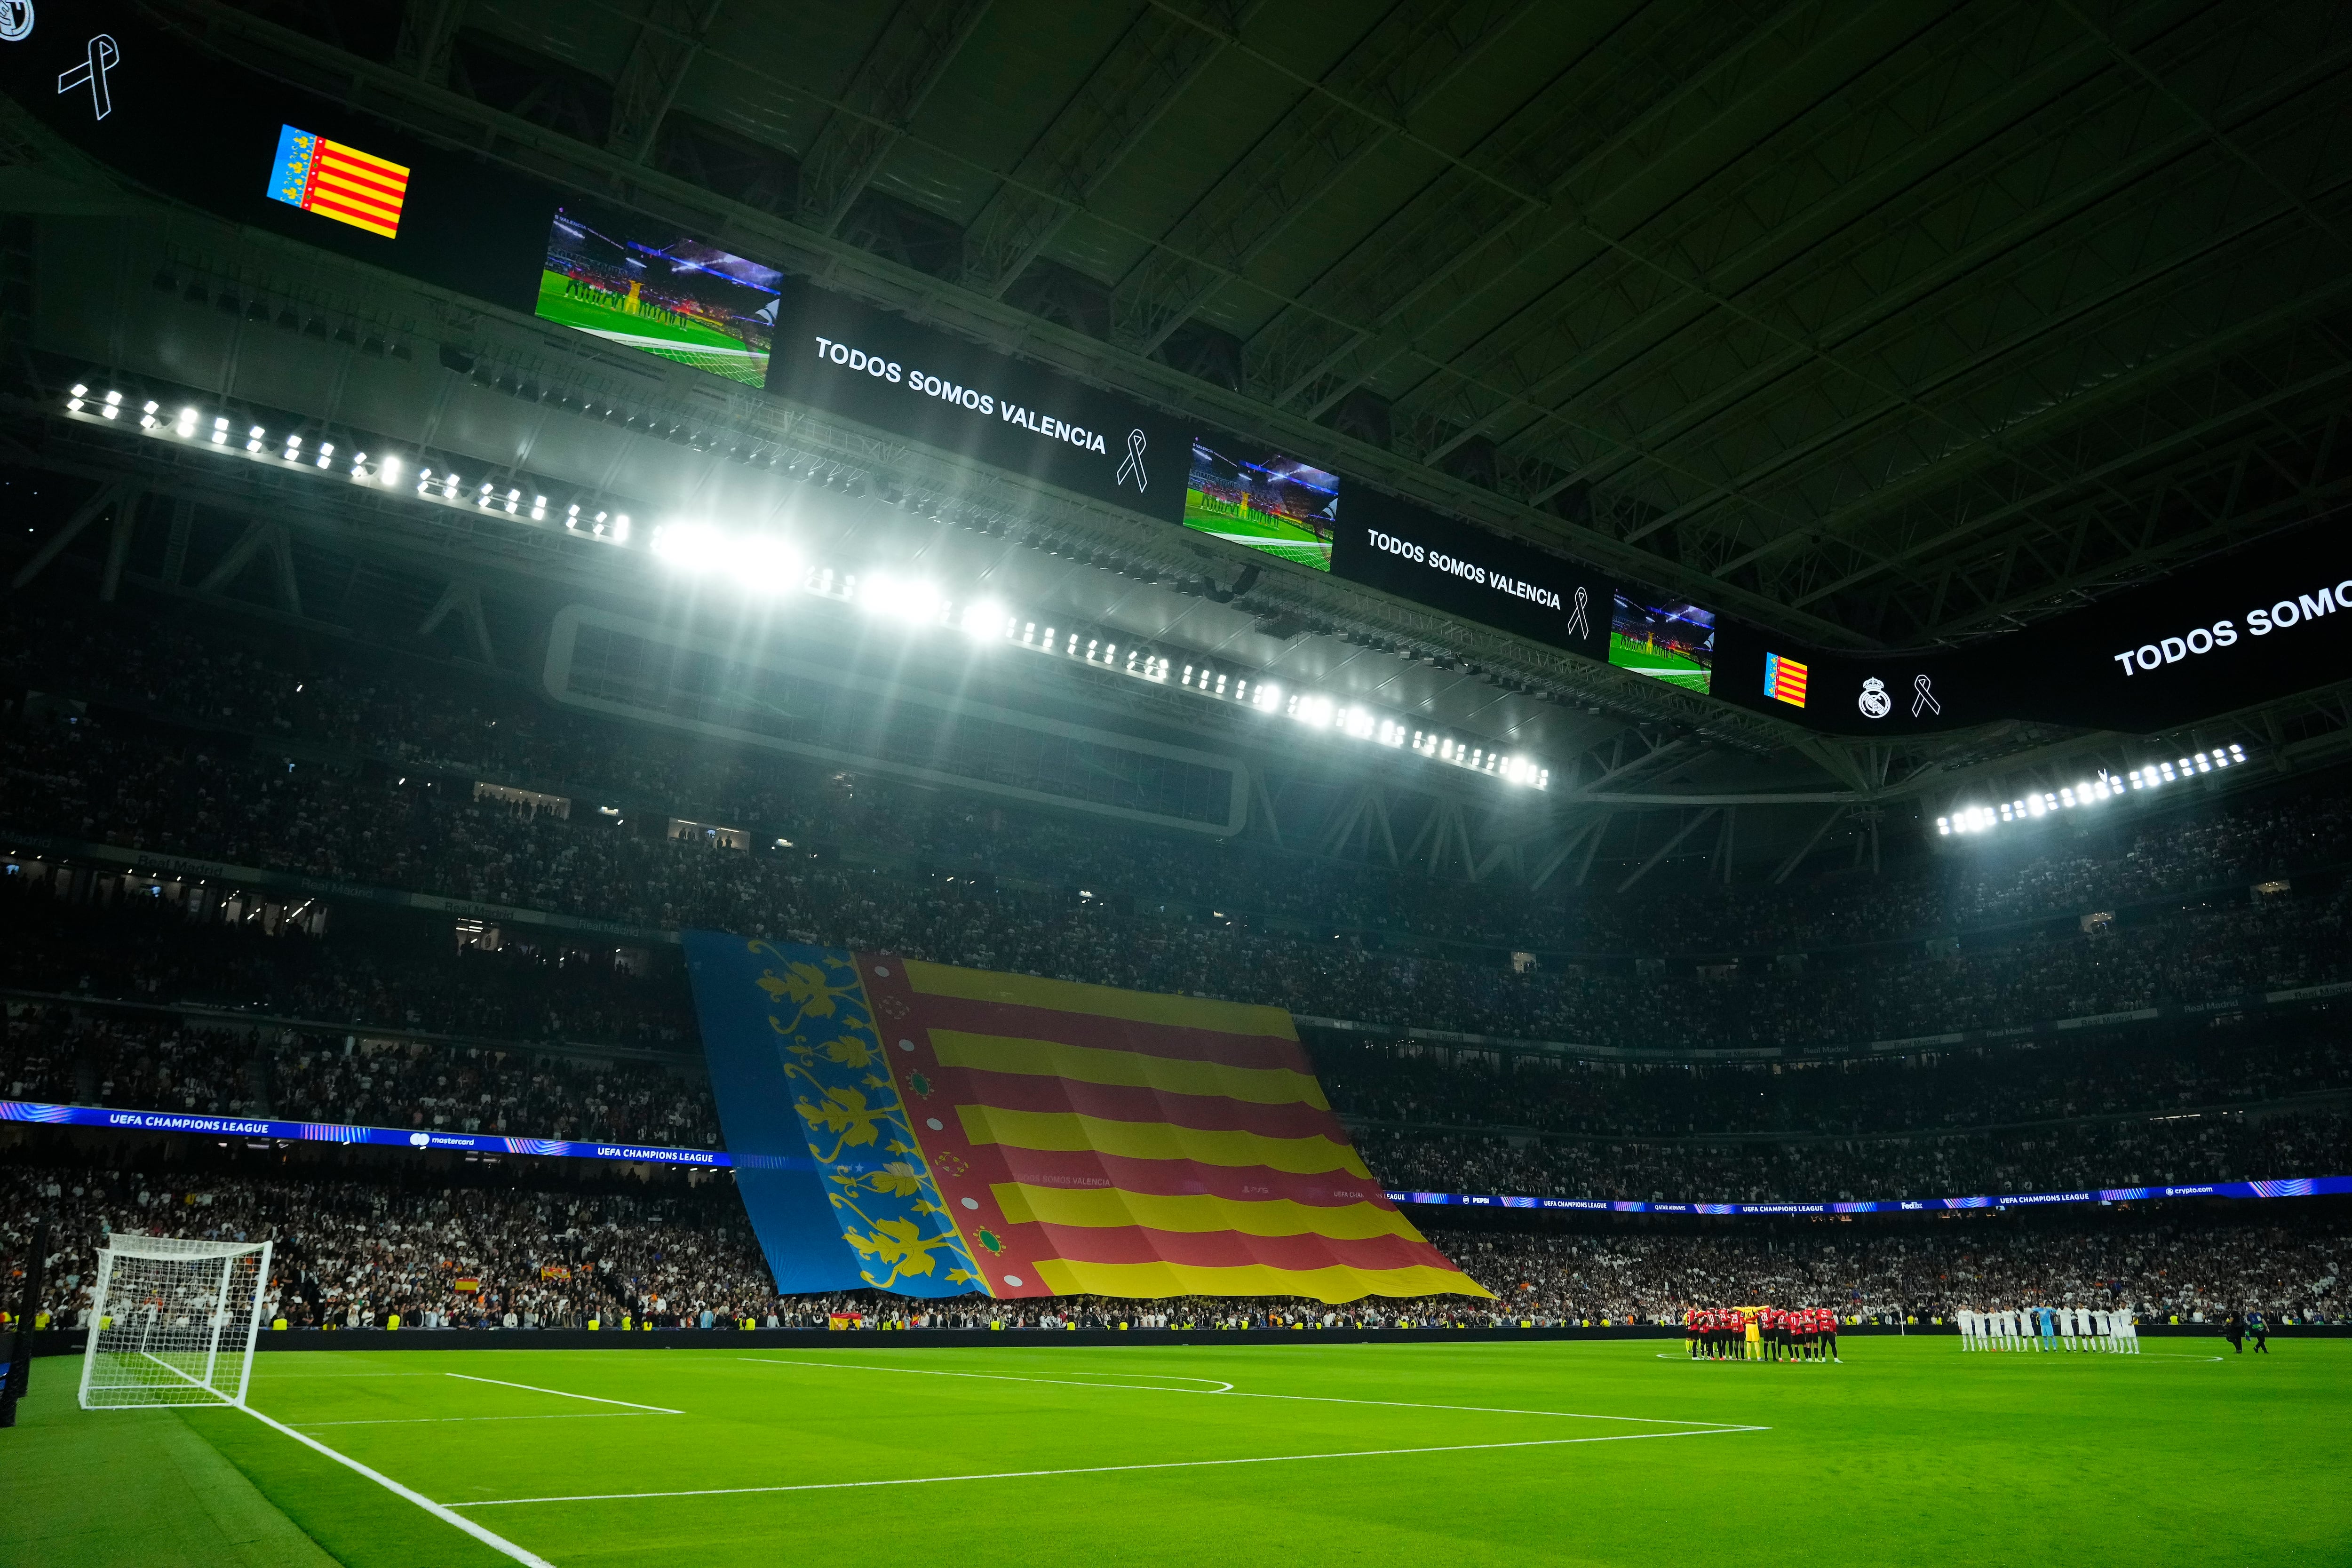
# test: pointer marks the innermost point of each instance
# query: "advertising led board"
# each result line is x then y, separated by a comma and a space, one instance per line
1400, 548
914, 380
1276, 504
2270, 620
635, 282
1672, 642
202, 129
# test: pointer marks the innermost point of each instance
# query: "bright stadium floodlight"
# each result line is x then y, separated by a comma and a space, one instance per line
187, 424
894, 599
692, 548
766, 564
985, 620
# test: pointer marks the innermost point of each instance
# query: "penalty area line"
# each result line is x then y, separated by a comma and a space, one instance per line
489, 1537
1104, 1470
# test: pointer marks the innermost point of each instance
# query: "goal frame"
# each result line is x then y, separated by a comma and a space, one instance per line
156, 1248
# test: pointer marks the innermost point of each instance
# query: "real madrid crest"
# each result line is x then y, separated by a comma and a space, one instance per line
1873, 701
15, 20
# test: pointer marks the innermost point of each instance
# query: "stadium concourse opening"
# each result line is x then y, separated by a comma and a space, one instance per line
1342, 785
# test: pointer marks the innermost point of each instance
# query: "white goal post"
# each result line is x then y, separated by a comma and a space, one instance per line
172, 1321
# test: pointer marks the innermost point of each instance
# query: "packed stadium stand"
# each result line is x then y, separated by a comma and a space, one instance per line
1647, 1053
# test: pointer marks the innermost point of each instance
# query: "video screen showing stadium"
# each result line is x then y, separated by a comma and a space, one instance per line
1675, 643
1275, 504
654, 290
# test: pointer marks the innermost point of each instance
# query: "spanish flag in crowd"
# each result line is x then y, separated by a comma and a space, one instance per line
933, 1130
338, 182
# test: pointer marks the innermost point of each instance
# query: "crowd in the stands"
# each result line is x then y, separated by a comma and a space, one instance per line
2063, 1157
167, 742
2175, 1270
410, 717
1408, 1084
350, 1254
409, 973
60, 1054
85, 781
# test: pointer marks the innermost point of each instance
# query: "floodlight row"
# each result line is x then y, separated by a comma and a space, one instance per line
2107, 786
765, 564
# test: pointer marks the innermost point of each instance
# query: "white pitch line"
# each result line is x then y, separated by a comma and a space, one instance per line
1103, 1470
1009, 1377
560, 1393
495, 1541
1229, 1392
419, 1420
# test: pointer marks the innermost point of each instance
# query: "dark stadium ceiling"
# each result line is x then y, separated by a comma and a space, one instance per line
1881, 325
1891, 323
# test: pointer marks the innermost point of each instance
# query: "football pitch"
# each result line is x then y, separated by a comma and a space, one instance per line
848, 1452
1265, 531
690, 343
1664, 664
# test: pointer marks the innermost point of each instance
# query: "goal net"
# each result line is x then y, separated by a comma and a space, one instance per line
172, 1321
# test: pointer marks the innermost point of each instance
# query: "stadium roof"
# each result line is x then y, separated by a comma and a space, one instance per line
1876, 326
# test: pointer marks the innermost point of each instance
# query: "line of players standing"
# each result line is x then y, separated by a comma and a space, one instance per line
2049, 1329
1761, 1333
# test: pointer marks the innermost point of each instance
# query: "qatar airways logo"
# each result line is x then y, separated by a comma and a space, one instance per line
2304, 609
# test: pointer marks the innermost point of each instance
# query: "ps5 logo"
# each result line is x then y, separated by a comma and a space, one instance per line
16, 21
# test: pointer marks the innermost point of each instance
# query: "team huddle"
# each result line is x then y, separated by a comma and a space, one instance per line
1761, 1333
2049, 1329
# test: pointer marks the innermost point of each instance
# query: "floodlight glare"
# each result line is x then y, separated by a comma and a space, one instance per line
768, 565
884, 594
691, 548
985, 618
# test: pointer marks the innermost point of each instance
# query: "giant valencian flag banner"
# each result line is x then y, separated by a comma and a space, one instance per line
933, 1131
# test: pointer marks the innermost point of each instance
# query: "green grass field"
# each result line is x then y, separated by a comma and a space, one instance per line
691, 343
1662, 663
851, 1453
1269, 531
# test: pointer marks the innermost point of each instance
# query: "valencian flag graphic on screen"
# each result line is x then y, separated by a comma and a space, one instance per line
935, 1132
338, 182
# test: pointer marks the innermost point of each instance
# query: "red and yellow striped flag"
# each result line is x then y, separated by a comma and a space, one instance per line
338, 182
1083, 1138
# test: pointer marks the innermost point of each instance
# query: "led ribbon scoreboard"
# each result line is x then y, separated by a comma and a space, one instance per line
2271, 619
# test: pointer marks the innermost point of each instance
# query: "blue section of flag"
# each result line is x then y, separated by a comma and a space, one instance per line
786, 1200
289, 177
